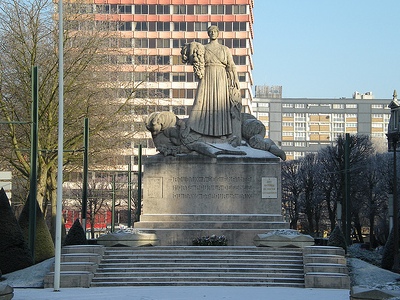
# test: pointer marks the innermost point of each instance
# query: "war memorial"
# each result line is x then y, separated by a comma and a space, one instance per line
216, 173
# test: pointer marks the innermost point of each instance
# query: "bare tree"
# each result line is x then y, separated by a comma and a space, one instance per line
29, 37
291, 191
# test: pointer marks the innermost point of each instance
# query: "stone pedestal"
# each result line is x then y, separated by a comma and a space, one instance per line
189, 196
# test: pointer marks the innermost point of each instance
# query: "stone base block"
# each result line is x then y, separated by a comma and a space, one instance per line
327, 280
70, 279
128, 239
283, 238
325, 250
326, 268
324, 259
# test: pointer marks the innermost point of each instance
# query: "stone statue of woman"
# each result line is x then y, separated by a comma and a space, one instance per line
217, 102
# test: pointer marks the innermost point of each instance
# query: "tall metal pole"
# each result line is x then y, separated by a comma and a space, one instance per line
395, 209
130, 194
113, 205
85, 173
34, 158
139, 208
57, 262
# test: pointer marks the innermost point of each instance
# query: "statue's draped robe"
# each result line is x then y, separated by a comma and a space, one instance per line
211, 112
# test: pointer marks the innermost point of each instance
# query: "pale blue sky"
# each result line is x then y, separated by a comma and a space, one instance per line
327, 49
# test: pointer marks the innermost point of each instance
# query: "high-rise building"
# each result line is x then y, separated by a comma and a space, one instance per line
149, 35
303, 125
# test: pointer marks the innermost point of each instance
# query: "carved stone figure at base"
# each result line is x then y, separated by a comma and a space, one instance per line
172, 136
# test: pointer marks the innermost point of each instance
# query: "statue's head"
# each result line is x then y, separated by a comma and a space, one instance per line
213, 31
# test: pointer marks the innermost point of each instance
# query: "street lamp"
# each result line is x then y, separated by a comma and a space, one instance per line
393, 136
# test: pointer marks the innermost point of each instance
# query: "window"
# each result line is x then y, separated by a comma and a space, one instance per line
300, 105
338, 106
153, 60
158, 77
239, 59
201, 9
179, 26
242, 77
163, 9
141, 26
163, 43
239, 9
183, 77
338, 117
239, 26
142, 9
377, 106
178, 43
141, 43
300, 117
179, 9
179, 110
125, 26
162, 26
176, 60
124, 9
349, 116
217, 9
200, 26
287, 105
300, 126
338, 127
351, 105
183, 93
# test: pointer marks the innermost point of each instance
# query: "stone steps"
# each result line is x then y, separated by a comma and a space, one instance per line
229, 266
77, 267
325, 267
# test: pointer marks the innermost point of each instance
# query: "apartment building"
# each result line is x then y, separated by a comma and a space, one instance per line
303, 125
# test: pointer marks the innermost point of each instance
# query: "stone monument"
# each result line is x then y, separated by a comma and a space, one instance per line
216, 173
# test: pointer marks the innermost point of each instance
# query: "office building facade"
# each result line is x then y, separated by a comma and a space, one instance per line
302, 125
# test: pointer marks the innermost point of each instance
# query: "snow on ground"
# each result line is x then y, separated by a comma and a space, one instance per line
182, 293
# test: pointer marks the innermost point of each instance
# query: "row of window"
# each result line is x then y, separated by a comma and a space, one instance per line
160, 76
148, 109
159, 93
177, 26
153, 26
146, 9
333, 105
166, 43
161, 60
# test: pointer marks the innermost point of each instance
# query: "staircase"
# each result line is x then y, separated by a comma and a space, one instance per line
197, 266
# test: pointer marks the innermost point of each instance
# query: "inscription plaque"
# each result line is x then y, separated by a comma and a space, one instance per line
269, 188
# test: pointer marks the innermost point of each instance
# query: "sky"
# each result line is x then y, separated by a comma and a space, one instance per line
327, 49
